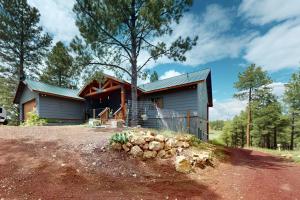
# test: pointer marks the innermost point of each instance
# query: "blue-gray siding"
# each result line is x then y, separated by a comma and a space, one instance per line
202, 110
60, 108
27, 95
180, 101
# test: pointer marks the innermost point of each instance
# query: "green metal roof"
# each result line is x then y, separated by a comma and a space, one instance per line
176, 80
50, 89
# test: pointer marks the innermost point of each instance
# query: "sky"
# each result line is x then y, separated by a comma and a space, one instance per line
232, 35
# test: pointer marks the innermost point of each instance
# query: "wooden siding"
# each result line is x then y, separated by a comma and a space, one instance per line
180, 101
202, 110
59, 108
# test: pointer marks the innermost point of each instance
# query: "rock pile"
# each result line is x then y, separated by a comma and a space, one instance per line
149, 145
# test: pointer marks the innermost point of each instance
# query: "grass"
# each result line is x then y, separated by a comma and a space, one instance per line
292, 155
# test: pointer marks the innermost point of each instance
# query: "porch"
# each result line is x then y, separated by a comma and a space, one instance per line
106, 99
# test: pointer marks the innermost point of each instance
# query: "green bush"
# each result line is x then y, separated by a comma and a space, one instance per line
119, 138
33, 119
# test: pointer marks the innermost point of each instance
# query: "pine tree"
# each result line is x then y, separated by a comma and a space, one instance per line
154, 77
249, 83
267, 116
292, 98
22, 48
22, 43
60, 70
115, 32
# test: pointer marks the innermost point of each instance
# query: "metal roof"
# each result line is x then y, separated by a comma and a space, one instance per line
176, 80
50, 89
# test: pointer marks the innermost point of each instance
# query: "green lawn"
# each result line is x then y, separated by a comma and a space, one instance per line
291, 155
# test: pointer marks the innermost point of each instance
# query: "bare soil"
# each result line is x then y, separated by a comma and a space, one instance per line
69, 163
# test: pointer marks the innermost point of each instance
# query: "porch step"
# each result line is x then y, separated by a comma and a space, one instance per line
113, 123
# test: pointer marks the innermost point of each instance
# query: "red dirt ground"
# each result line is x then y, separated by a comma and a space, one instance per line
31, 168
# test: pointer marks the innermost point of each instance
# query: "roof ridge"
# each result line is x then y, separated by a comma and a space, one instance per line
176, 76
50, 84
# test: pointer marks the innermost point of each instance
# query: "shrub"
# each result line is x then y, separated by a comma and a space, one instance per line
119, 138
33, 119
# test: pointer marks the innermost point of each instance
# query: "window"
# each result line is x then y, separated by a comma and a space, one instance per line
158, 101
0, 110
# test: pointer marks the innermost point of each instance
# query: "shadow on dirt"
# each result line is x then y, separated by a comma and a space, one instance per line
254, 159
35, 169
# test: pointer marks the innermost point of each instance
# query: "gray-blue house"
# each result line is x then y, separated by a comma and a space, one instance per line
178, 103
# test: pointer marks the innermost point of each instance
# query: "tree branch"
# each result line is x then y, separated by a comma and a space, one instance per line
110, 65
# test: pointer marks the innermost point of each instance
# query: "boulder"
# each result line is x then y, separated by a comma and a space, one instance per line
136, 151
151, 133
160, 138
116, 146
182, 144
149, 154
145, 146
128, 144
137, 140
184, 138
183, 164
156, 146
148, 138
170, 143
170, 153
161, 154
125, 147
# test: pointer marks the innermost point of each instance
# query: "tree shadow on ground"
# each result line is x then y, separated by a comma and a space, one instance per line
254, 159
36, 169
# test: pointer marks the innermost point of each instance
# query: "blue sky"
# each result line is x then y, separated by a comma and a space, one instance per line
232, 34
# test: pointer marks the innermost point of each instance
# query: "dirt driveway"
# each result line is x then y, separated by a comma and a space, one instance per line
70, 163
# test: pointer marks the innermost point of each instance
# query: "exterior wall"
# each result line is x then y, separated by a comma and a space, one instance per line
202, 110
28, 95
61, 108
176, 105
180, 101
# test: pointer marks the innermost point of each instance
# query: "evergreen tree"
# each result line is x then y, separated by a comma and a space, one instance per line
22, 43
154, 77
267, 115
292, 98
22, 48
60, 70
114, 32
249, 83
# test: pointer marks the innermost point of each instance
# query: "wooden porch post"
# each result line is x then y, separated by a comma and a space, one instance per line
123, 102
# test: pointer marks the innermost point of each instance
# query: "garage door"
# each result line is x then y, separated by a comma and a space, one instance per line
28, 107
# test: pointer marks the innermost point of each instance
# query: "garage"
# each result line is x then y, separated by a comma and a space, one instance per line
28, 107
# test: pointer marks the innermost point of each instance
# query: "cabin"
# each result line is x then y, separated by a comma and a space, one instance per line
180, 103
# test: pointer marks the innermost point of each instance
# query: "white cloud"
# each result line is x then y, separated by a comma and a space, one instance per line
169, 74
214, 43
278, 49
278, 88
261, 12
226, 109
57, 18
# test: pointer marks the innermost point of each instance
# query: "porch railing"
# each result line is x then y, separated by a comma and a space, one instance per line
104, 115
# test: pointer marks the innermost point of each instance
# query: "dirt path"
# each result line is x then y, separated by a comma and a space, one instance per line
255, 175
70, 163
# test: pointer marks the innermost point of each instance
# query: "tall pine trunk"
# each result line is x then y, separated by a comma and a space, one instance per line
134, 77
249, 118
293, 131
275, 138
